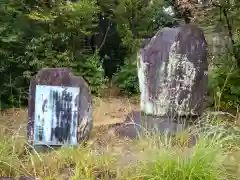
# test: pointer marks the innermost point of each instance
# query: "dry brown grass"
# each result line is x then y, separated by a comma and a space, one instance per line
105, 111
107, 156
112, 110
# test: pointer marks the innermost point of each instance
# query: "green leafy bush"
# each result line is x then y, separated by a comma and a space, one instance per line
126, 78
224, 84
46, 37
90, 68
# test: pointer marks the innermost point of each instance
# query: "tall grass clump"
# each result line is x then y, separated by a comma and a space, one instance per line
64, 163
11, 150
204, 161
151, 157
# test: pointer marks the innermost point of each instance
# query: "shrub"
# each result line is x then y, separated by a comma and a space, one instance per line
90, 68
32, 39
224, 84
126, 78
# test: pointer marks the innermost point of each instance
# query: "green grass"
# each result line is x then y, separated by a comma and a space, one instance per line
215, 157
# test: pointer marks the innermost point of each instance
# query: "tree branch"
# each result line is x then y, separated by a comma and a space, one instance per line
229, 27
105, 36
235, 54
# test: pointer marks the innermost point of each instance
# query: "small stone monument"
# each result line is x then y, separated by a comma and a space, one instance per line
60, 109
172, 72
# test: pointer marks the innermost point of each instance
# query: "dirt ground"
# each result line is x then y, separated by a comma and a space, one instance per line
105, 111
112, 110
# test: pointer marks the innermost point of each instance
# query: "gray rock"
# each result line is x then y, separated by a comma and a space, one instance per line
172, 72
138, 123
60, 108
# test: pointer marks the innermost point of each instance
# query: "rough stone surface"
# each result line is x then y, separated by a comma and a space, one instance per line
138, 123
63, 77
172, 72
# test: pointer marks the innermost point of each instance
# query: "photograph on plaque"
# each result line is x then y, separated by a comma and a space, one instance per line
56, 115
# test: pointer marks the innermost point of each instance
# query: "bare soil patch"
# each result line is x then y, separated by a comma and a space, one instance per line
106, 111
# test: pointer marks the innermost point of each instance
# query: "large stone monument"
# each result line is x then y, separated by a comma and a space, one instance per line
172, 72
60, 109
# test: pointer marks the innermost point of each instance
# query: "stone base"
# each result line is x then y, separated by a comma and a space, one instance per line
137, 124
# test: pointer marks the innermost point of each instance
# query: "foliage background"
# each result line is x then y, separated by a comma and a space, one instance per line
99, 40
